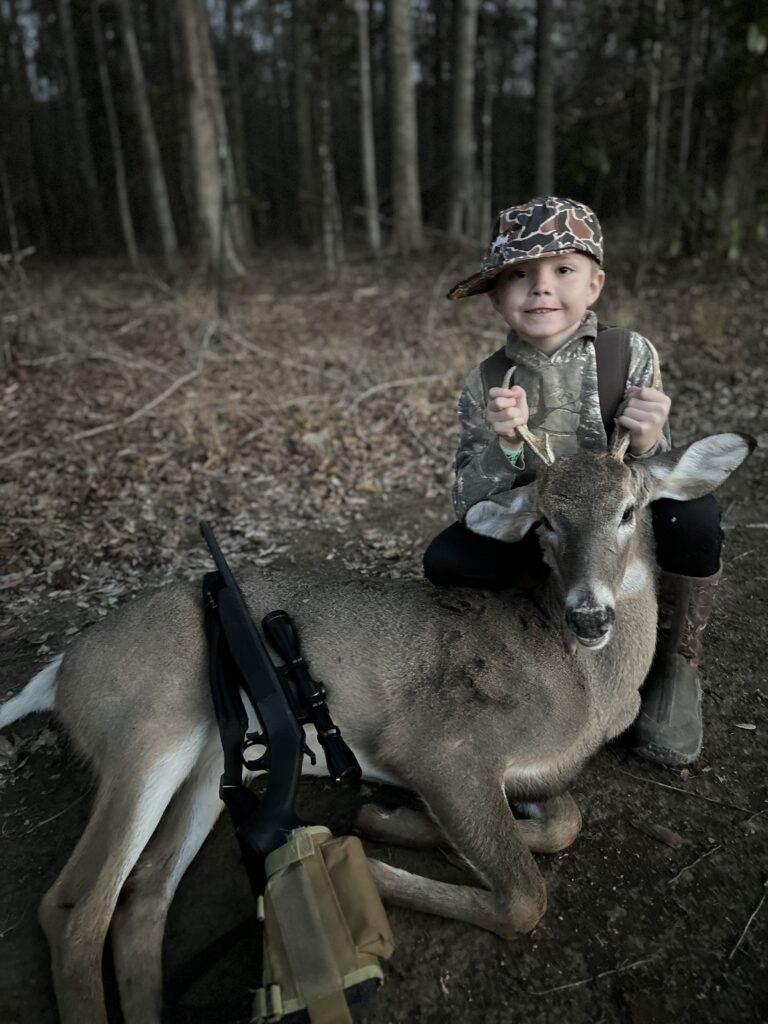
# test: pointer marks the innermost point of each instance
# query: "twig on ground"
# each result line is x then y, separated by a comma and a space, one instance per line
46, 821
211, 330
687, 792
752, 917
402, 382
689, 867
431, 449
8, 928
279, 357
437, 299
178, 383
595, 977
106, 427
742, 555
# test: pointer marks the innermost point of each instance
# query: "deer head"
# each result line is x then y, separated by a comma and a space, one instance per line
590, 514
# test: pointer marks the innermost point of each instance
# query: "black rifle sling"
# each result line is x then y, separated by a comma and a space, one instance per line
225, 691
612, 362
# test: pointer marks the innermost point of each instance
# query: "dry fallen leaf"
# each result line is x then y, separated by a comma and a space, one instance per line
660, 832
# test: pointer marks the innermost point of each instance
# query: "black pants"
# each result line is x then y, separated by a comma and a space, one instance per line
688, 542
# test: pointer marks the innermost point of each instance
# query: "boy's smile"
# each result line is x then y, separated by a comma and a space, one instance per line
544, 299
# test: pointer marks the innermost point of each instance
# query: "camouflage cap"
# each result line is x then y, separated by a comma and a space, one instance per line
541, 227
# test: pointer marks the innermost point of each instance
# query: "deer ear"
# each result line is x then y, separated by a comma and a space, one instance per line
693, 471
507, 516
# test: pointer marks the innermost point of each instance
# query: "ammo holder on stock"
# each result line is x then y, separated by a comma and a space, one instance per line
325, 930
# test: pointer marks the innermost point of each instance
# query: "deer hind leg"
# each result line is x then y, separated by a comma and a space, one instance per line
76, 911
482, 829
550, 825
138, 923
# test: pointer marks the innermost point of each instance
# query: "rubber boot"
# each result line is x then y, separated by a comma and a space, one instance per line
669, 727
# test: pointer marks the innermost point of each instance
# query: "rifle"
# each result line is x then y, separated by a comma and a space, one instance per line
285, 859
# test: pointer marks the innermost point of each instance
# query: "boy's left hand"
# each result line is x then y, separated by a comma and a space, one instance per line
644, 416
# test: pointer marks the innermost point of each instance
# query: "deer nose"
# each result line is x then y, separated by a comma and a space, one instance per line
590, 622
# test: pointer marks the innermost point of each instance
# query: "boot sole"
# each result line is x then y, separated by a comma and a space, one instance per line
666, 757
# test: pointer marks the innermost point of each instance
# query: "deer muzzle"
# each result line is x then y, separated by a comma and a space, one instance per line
590, 623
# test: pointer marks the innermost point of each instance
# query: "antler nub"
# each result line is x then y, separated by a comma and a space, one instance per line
539, 445
619, 445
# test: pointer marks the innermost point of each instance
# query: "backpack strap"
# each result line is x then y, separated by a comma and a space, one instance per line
612, 363
611, 359
493, 369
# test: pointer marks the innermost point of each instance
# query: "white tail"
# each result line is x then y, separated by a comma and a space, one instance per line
37, 695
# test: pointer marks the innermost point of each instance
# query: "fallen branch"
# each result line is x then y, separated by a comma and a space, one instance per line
46, 821
106, 427
752, 917
178, 383
595, 977
689, 867
402, 382
687, 792
280, 357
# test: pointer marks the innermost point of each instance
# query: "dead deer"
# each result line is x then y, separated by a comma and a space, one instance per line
474, 701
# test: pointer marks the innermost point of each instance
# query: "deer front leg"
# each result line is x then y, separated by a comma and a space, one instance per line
477, 820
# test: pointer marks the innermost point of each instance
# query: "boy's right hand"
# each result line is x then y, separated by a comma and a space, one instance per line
508, 410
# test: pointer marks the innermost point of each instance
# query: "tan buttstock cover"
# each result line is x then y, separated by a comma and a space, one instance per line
325, 928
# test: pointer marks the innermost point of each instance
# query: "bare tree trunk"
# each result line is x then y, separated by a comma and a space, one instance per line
406, 197
121, 187
239, 148
370, 189
85, 154
653, 65
462, 190
743, 168
485, 211
10, 216
692, 66
332, 230
662, 148
21, 108
303, 122
544, 160
210, 147
158, 187
235, 214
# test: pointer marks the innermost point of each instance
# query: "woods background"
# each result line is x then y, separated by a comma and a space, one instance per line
312, 421
128, 125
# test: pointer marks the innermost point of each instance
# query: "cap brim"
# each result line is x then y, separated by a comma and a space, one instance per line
483, 280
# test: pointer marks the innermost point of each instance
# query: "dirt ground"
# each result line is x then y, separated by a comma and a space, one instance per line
317, 423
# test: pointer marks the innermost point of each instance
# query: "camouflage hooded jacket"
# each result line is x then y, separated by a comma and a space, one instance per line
563, 400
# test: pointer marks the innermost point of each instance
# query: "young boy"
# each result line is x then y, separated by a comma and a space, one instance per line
542, 273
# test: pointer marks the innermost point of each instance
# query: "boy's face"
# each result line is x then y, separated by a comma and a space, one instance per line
544, 299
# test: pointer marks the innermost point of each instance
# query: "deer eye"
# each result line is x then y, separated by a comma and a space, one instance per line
628, 515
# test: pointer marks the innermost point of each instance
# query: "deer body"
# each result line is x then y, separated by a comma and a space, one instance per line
471, 700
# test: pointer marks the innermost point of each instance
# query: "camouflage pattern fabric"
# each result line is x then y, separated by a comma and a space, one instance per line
541, 227
563, 400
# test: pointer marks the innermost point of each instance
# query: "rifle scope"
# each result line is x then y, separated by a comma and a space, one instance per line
281, 633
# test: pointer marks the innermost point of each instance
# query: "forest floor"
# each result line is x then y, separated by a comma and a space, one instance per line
315, 424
